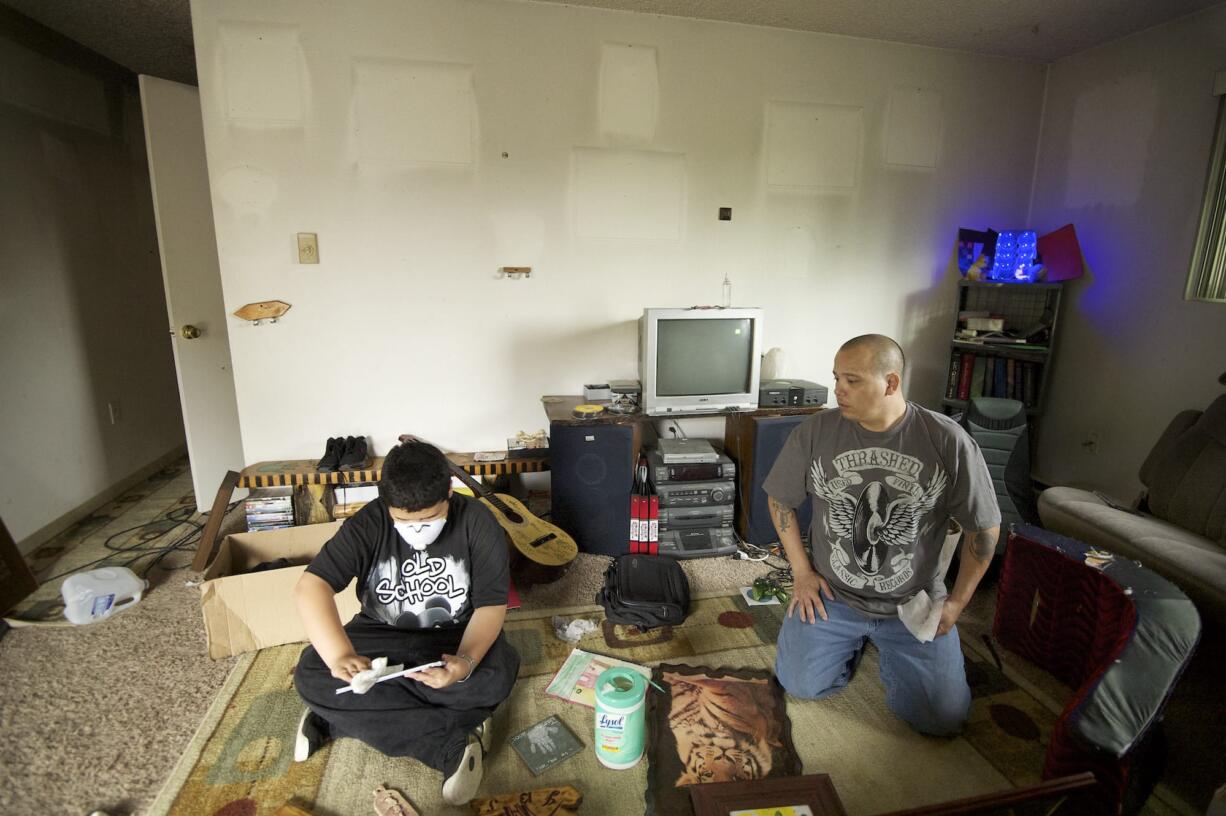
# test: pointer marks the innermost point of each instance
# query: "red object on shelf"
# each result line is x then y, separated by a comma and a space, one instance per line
1061, 254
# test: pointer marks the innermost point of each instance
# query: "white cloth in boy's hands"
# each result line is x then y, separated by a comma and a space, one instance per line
364, 681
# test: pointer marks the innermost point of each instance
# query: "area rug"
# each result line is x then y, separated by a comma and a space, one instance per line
240, 761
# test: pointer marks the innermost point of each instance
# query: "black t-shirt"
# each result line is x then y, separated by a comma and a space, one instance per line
466, 567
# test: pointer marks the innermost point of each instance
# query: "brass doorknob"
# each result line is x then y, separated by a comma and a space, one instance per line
189, 332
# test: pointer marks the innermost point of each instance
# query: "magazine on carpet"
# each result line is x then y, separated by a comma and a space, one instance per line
575, 682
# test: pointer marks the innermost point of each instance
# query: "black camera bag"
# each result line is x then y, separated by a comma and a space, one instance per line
645, 591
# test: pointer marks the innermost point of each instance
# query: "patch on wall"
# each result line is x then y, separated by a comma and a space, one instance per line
519, 236
247, 190
813, 147
409, 112
797, 249
913, 127
629, 105
1109, 142
60, 159
263, 68
634, 194
48, 88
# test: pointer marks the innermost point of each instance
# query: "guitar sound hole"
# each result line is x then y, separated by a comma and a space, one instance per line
513, 517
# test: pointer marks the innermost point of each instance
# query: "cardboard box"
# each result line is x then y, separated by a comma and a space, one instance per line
246, 611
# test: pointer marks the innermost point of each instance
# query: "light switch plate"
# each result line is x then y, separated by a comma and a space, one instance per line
308, 248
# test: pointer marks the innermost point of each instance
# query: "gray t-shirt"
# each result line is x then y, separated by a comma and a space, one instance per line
882, 500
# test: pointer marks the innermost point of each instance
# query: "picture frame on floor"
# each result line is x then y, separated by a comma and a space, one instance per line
808, 795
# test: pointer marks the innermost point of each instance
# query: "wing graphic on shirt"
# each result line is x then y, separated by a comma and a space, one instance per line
901, 523
841, 508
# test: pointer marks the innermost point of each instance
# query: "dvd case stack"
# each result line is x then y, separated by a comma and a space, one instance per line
644, 513
269, 510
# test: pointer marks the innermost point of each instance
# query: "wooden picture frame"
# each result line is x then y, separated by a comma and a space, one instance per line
1052, 797
815, 791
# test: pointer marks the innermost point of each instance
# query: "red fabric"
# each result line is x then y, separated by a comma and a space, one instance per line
1072, 621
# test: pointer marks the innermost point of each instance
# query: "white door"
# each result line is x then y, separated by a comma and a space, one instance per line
178, 173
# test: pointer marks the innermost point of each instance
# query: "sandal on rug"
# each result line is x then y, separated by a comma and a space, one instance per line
389, 802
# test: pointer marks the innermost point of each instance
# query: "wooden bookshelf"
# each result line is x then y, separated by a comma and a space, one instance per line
983, 368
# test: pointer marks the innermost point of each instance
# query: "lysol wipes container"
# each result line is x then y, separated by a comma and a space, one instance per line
96, 595
620, 693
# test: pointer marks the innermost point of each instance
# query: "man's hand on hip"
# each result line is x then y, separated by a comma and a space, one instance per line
807, 589
949, 615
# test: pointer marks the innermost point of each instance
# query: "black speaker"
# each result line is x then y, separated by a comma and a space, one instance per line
592, 472
754, 443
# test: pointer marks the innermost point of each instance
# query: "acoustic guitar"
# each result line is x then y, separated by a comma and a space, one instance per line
541, 551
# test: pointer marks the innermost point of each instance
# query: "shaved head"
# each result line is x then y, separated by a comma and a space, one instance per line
886, 354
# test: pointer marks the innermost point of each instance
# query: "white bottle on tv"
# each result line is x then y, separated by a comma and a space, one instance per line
772, 364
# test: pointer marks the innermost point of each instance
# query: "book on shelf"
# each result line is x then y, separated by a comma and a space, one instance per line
1029, 372
1010, 370
964, 376
977, 373
955, 367
999, 388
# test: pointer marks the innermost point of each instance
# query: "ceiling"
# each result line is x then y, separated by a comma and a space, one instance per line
155, 36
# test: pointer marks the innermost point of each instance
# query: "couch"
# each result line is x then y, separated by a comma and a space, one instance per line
1178, 526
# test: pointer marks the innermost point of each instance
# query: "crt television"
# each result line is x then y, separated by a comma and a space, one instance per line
698, 360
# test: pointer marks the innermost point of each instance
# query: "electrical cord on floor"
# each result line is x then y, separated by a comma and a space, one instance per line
141, 549
22, 623
751, 552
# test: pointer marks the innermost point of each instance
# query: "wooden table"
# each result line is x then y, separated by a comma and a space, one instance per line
302, 472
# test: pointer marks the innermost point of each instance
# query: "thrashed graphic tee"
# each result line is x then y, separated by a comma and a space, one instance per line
882, 500
466, 567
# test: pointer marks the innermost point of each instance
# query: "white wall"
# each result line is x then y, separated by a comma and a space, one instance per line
1125, 145
82, 315
429, 142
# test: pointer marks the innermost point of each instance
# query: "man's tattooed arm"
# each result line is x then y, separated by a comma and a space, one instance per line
783, 514
982, 544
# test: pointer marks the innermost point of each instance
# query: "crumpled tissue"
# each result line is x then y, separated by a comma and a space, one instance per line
571, 631
364, 681
922, 615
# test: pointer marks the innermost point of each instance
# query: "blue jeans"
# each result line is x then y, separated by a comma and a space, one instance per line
925, 683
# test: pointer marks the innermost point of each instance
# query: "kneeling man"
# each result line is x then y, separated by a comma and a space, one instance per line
884, 476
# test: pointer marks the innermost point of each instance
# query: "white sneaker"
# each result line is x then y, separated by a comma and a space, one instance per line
310, 737
461, 786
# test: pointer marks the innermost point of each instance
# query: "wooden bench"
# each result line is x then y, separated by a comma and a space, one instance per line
302, 473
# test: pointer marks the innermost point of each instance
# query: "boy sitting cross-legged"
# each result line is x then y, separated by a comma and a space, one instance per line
432, 572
